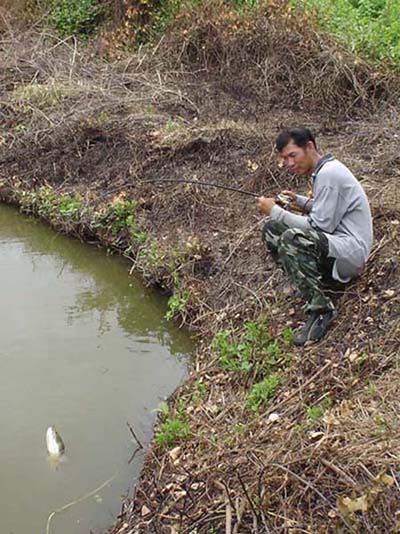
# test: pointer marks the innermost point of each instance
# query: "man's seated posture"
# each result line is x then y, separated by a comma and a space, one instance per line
331, 242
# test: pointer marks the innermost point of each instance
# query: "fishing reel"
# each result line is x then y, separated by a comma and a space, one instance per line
283, 200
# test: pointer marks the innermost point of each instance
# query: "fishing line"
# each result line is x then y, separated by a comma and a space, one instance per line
206, 184
80, 499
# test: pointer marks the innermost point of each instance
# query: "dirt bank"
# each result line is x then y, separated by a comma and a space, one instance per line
80, 136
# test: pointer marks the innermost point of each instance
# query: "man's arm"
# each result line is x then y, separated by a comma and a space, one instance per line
305, 203
290, 219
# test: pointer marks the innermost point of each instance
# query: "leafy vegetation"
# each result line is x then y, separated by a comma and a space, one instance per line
371, 28
55, 208
172, 428
177, 304
76, 17
172, 431
254, 350
262, 391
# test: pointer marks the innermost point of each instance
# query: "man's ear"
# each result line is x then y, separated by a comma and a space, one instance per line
310, 146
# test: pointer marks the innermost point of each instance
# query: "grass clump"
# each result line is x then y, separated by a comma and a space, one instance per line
172, 431
173, 428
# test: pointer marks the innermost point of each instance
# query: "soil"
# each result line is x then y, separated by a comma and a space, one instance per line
81, 124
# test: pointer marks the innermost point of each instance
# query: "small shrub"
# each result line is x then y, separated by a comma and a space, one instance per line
76, 17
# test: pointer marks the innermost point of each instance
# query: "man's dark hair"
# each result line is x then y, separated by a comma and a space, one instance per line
299, 136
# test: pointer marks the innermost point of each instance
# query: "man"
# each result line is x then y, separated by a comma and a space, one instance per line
331, 242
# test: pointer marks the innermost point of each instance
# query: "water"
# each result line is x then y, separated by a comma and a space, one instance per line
84, 347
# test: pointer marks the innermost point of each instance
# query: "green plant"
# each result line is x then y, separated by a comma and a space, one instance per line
200, 392
262, 391
163, 410
287, 336
172, 431
69, 207
151, 255
177, 304
370, 28
76, 17
314, 413
254, 349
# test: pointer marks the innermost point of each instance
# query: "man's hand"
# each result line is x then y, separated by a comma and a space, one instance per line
290, 194
265, 205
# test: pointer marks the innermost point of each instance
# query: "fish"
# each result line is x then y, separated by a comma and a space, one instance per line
54, 443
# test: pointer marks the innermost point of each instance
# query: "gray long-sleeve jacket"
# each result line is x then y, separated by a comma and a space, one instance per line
341, 210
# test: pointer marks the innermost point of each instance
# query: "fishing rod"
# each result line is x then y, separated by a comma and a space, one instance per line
207, 184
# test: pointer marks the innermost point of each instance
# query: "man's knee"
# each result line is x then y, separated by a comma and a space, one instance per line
272, 230
289, 240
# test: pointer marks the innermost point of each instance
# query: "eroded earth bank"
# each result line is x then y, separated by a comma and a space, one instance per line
80, 136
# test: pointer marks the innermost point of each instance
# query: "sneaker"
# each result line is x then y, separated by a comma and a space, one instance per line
316, 326
321, 325
303, 334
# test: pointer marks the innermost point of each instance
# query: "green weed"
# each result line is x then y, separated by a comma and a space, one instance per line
171, 432
200, 392
70, 207
262, 391
177, 304
253, 350
47, 204
315, 413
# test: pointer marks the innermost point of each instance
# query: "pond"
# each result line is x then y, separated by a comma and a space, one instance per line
84, 347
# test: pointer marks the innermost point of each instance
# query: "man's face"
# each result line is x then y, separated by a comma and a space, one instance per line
298, 160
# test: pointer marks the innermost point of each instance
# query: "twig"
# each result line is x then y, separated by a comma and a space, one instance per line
299, 390
311, 486
134, 435
339, 472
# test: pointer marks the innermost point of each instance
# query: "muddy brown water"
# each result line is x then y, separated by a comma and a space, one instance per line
84, 347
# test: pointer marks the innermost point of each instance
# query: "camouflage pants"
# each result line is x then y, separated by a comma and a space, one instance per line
304, 257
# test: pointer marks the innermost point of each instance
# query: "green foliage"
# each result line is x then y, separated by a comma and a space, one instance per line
314, 413
121, 215
370, 28
151, 255
163, 410
70, 207
172, 431
262, 391
254, 349
200, 393
76, 17
55, 208
172, 428
177, 304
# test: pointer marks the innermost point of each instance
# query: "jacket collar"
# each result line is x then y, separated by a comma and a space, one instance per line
320, 164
